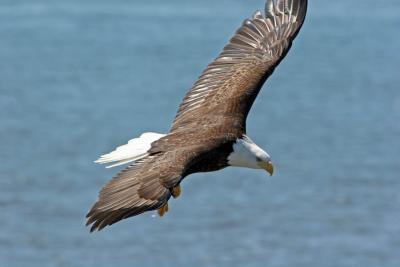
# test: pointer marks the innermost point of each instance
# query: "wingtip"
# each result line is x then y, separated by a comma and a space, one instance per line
257, 15
88, 223
269, 8
93, 224
294, 7
93, 229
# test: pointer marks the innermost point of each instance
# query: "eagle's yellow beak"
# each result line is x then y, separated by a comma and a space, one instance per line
267, 166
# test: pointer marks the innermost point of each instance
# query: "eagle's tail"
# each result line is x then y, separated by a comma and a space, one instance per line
134, 150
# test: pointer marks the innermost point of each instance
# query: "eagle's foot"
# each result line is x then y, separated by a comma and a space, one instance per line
164, 209
176, 191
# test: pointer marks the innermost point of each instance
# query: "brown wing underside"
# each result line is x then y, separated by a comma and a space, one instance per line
230, 84
140, 187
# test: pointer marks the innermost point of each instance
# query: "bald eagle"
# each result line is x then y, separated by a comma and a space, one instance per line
209, 130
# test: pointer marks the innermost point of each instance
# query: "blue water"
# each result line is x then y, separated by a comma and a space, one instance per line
78, 78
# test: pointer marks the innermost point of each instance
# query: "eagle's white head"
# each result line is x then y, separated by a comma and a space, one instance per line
247, 154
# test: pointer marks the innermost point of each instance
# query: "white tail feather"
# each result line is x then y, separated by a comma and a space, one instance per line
134, 150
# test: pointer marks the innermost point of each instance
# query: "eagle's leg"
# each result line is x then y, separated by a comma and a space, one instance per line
176, 191
161, 211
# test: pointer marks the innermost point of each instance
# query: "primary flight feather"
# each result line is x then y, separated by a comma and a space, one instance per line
209, 130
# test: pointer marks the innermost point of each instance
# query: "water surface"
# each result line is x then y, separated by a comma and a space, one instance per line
81, 77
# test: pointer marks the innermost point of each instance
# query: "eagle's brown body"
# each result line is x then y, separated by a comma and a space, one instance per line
210, 119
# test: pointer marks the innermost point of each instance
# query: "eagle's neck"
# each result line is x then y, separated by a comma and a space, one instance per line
247, 154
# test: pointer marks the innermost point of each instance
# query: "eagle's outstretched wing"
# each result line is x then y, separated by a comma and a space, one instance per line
228, 87
140, 187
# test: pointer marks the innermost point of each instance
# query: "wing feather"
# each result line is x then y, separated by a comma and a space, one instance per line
230, 84
140, 187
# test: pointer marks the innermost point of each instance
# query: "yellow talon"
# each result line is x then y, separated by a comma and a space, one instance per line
161, 211
176, 191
